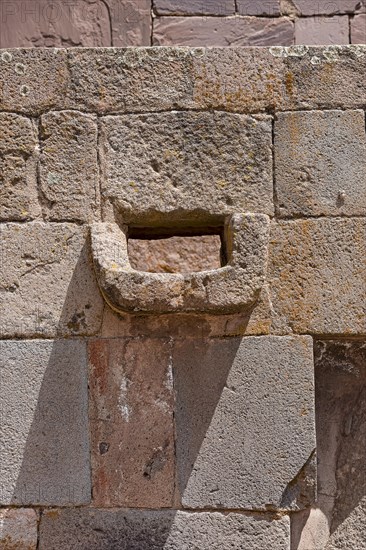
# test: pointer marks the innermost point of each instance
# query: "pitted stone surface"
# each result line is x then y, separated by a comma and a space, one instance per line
233, 395
44, 435
317, 273
179, 163
47, 283
18, 165
160, 530
18, 529
194, 7
320, 160
69, 166
131, 422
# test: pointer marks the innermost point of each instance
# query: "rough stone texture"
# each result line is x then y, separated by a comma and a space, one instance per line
222, 31
194, 7
44, 437
321, 30
358, 29
131, 414
32, 80
326, 7
259, 7
320, 160
47, 284
175, 254
18, 163
40, 23
158, 530
317, 273
18, 529
181, 164
339, 521
232, 397
131, 22
234, 287
69, 166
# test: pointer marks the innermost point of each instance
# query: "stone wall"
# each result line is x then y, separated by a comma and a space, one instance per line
93, 23
159, 406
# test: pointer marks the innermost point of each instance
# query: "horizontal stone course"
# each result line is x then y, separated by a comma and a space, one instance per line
194, 7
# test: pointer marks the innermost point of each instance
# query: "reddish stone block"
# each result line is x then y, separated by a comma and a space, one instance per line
358, 29
194, 7
317, 31
131, 420
130, 22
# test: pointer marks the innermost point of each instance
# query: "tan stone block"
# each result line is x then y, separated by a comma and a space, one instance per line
69, 177
18, 529
317, 273
131, 416
18, 168
358, 29
322, 30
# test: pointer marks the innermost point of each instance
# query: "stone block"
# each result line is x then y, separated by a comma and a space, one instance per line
44, 427
258, 7
69, 166
32, 80
18, 168
47, 283
166, 166
158, 530
222, 31
245, 422
18, 529
131, 416
320, 160
358, 29
130, 22
325, 7
317, 273
317, 31
194, 7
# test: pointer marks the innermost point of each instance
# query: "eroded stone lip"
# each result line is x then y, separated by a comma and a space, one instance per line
233, 287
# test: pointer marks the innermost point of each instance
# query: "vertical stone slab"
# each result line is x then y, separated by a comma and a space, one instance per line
245, 422
44, 449
18, 168
131, 415
69, 177
18, 529
130, 22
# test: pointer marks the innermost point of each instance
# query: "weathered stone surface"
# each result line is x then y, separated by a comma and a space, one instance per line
158, 530
320, 160
69, 166
44, 436
18, 529
258, 7
47, 284
194, 7
317, 274
132, 432
233, 395
222, 31
322, 30
42, 23
326, 7
175, 254
131, 22
186, 165
358, 29
32, 80
18, 165
232, 288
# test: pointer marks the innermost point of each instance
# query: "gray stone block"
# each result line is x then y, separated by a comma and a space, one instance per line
320, 163
245, 422
47, 282
18, 529
317, 274
159, 530
69, 166
44, 451
18, 168
181, 164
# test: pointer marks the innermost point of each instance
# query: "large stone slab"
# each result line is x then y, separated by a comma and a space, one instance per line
18, 168
178, 165
69, 166
320, 160
47, 283
44, 449
131, 422
18, 529
245, 422
317, 273
159, 530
